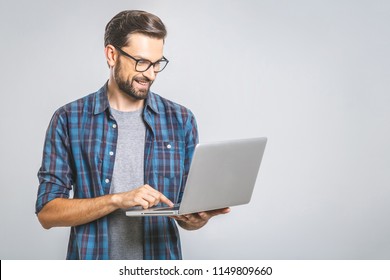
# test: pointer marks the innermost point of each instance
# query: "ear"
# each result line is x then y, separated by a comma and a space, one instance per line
111, 55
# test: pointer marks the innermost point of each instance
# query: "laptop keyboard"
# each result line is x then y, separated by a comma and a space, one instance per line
176, 207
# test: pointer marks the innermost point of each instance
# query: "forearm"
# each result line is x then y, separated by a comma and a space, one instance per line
73, 212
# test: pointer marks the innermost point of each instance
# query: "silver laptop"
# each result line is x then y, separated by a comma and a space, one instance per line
222, 174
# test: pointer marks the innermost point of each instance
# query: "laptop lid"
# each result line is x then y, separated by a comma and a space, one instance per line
222, 174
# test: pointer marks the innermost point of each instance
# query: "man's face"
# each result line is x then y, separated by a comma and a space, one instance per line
133, 83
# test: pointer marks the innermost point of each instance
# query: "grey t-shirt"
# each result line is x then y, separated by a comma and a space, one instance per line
126, 233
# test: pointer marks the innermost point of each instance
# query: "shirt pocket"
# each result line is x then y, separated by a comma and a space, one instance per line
168, 167
169, 158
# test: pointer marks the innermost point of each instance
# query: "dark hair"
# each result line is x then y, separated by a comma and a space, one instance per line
129, 22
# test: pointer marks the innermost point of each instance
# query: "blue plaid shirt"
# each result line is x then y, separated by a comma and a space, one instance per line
76, 154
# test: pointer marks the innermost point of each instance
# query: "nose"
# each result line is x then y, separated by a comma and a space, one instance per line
150, 74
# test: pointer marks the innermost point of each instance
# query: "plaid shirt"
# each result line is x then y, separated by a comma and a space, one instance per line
76, 154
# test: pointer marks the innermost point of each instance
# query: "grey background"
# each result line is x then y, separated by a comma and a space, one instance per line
312, 76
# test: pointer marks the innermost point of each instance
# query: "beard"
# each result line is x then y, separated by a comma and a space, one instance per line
127, 86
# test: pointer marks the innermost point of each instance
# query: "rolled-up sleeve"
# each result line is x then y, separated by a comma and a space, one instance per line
55, 173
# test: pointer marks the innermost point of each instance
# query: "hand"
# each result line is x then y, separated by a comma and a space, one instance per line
197, 220
144, 196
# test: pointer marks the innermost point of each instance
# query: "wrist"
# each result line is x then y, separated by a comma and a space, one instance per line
116, 200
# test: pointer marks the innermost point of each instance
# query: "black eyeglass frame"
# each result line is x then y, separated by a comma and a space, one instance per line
144, 60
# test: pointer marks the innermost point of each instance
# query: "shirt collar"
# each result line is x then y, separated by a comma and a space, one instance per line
101, 101
151, 102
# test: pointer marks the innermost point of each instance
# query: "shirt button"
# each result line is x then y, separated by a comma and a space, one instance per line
169, 146
111, 153
114, 125
107, 181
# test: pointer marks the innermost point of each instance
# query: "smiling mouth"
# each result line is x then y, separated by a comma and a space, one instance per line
143, 83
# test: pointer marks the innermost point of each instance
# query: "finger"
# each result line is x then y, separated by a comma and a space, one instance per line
189, 217
206, 215
185, 217
195, 218
147, 187
144, 198
141, 202
165, 200
218, 211
159, 196
179, 218
152, 200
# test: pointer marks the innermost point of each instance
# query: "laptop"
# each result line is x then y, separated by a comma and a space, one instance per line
222, 174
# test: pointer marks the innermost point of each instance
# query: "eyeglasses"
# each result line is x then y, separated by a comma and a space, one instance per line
142, 65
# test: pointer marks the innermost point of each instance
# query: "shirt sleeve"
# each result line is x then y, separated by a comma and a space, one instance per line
55, 173
191, 140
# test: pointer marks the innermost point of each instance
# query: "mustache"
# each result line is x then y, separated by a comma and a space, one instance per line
143, 79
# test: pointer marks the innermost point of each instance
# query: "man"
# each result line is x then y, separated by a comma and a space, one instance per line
120, 147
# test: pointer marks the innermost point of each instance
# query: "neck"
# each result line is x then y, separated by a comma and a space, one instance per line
121, 101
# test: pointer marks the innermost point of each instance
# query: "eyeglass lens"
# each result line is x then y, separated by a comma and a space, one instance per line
143, 65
